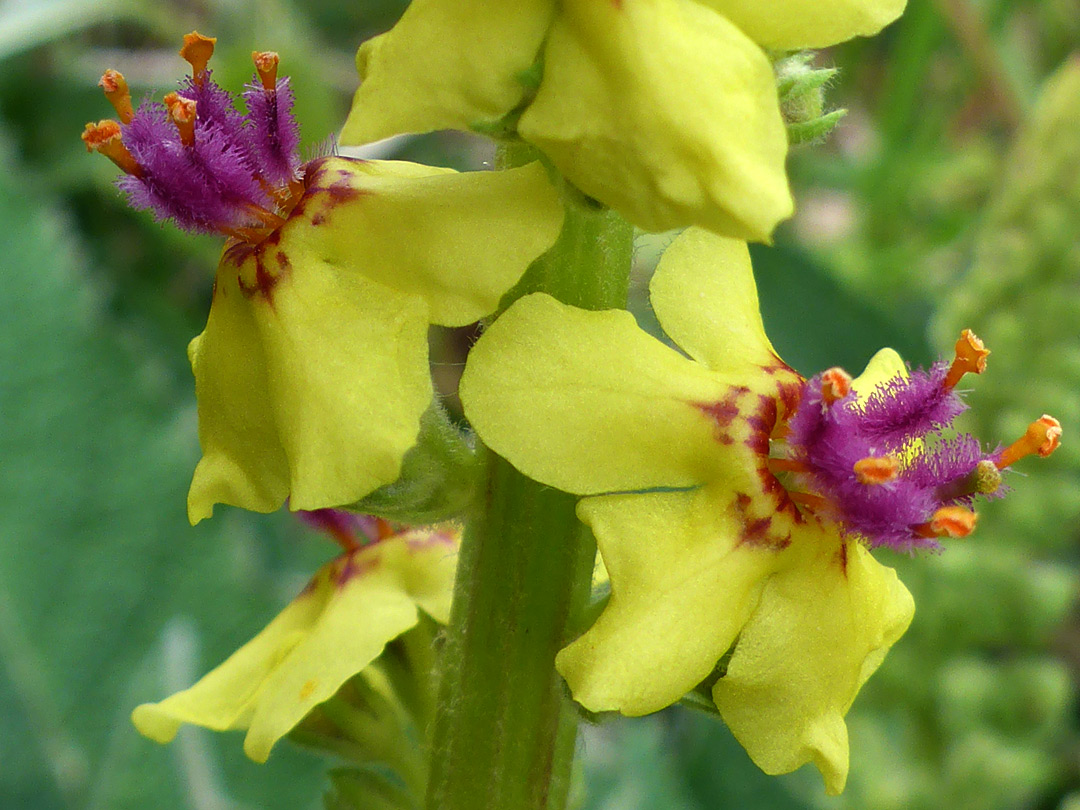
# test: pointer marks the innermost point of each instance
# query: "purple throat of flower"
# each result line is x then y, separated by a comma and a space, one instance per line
890, 469
350, 530
196, 159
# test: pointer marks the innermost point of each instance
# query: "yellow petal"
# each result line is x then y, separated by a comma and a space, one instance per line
332, 631
823, 625
883, 366
588, 402
665, 111
794, 24
225, 698
243, 462
376, 604
312, 373
447, 64
345, 365
459, 241
683, 583
704, 295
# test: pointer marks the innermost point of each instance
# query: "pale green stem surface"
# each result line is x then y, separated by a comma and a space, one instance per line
505, 730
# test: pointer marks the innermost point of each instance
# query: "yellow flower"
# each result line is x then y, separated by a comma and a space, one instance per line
705, 547
312, 373
663, 109
333, 630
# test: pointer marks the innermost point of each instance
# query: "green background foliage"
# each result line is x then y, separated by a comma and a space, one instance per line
948, 197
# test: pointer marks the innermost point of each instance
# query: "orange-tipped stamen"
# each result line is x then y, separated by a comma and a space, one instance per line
777, 465
948, 521
196, 52
104, 137
835, 384
970, 358
875, 470
118, 94
182, 113
266, 64
1042, 436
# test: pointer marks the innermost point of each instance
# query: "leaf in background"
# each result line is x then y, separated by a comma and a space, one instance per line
96, 556
987, 712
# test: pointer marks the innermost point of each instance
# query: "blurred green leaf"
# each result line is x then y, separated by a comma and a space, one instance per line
96, 558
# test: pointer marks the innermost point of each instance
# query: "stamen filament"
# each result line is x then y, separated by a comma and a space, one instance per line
1042, 436
182, 113
787, 465
104, 137
266, 64
970, 358
271, 220
118, 94
948, 521
196, 52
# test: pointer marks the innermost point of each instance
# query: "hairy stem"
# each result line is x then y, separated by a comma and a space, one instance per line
504, 731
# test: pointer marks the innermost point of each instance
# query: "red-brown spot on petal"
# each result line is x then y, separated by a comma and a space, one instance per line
842, 558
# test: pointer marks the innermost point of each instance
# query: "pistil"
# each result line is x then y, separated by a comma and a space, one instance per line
985, 479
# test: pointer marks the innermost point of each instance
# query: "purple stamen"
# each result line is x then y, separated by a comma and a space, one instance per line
830, 439
275, 136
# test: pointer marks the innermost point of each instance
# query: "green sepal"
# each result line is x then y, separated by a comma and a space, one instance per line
439, 476
814, 130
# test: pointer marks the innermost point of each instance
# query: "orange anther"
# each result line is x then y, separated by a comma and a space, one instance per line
970, 358
835, 384
1042, 436
948, 521
118, 94
877, 469
182, 113
104, 137
196, 52
266, 64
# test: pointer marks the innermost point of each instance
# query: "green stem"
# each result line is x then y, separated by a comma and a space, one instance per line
504, 731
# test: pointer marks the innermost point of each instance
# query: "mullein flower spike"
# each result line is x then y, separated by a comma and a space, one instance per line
665, 110
312, 373
335, 629
734, 502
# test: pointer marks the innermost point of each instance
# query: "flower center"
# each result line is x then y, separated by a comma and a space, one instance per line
198, 160
889, 467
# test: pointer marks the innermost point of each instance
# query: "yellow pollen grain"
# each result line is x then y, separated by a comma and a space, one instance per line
308, 689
